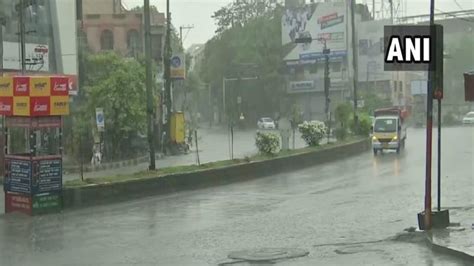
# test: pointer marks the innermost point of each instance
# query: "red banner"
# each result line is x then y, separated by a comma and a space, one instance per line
39, 106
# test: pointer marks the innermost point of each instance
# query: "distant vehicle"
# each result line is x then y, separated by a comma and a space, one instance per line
468, 119
266, 123
389, 130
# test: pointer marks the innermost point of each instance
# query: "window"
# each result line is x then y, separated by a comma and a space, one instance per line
107, 40
133, 41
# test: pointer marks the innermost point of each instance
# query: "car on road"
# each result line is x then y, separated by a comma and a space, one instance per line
266, 123
468, 119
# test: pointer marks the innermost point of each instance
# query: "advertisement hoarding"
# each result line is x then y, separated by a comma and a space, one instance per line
36, 56
6, 86
325, 21
40, 86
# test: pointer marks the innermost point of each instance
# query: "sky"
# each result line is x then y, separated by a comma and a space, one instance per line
198, 13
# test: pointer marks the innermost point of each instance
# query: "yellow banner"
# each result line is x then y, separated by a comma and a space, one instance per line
59, 105
21, 106
40, 86
6, 86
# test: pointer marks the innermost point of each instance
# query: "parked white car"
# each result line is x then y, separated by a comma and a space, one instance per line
468, 118
266, 123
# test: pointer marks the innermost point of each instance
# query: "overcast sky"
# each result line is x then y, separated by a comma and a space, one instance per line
198, 13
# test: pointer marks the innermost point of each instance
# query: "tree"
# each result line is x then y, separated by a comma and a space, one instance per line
240, 12
231, 53
460, 60
116, 85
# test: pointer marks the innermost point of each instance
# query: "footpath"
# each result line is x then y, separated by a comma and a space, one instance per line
458, 239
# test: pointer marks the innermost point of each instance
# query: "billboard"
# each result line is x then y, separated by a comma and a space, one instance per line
36, 56
34, 95
324, 21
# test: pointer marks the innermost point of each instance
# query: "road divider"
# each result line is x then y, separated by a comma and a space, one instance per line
213, 174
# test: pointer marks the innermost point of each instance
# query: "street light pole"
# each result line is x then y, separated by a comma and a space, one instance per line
167, 74
149, 85
22, 37
354, 60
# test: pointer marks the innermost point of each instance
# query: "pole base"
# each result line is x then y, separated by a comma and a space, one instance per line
439, 219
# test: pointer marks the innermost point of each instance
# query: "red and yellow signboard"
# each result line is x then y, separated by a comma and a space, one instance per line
6, 86
34, 95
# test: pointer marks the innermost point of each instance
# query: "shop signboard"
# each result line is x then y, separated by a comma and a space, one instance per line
17, 175
46, 202
47, 175
16, 202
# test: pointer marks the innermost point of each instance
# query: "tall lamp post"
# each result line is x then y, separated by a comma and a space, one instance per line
149, 86
327, 79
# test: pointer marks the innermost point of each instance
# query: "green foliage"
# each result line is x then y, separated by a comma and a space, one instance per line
312, 132
116, 85
296, 116
372, 101
267, 142
460, 60
365, 124
341, 133
239, 13
343, 112
257, 43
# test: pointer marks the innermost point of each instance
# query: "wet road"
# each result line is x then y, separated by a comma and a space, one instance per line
349, 212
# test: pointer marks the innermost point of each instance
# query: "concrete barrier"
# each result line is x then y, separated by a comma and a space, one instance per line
113, 192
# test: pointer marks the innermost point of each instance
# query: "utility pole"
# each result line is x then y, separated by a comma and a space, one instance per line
149, 86
391, 11
167, 74
181, 28
354, 60
327, 82
2, 22
80, 74
22, 36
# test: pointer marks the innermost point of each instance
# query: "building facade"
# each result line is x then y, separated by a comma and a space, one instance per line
109, 25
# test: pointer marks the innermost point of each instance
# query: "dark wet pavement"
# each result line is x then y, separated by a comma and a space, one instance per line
349, 212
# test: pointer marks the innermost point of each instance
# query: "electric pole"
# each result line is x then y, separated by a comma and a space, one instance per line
181, 32
2, 23
149, 85
327, 83
354, 60
167, 74
22, 36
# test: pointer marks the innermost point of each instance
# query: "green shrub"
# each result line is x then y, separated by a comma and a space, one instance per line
364, 127
312, 132
341, 133
342, 113
267, 142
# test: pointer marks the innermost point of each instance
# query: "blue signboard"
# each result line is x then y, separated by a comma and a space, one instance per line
18, 178
48, 176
